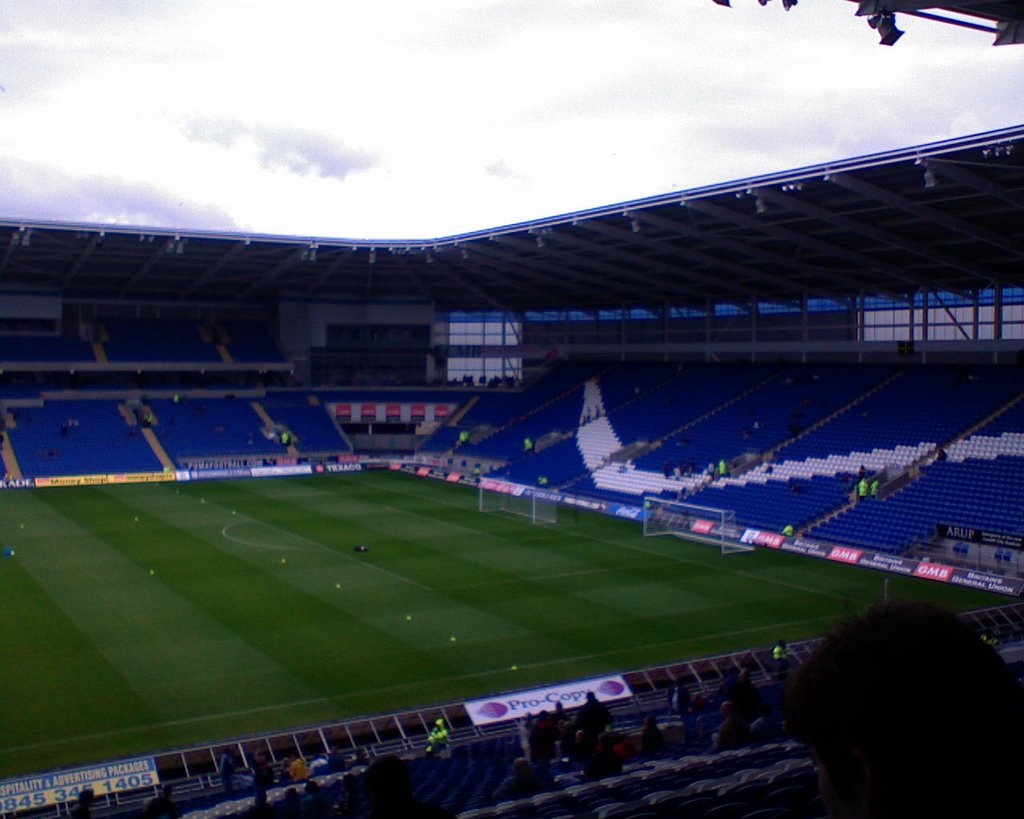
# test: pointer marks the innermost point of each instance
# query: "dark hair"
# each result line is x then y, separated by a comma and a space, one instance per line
908, 697
388, 781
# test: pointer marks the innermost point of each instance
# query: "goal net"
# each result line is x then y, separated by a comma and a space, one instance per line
524, 504
693, 522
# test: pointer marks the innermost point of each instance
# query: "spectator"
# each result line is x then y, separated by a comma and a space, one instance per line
348, 799
525, 729
389, 790
335, 759
733, 732
83, 810
543, 738
522, 782
907, 713
583, 746
298, 770
604, 762
313, 805
226, 767
651, 739
291, 805
679, 699
765, 727
593, 717
162, 806
260, 808
745, 697
623, 747
262, 773
567, 739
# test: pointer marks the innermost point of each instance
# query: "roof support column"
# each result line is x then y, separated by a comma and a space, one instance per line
707, 328
623, 332
924, 314
858, 303
997, 319
975, 311
911, 318
665, 310
753, 326
804, 327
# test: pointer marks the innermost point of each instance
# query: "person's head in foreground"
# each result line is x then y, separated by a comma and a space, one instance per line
909, 714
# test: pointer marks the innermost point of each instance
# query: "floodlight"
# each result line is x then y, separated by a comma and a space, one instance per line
885, 24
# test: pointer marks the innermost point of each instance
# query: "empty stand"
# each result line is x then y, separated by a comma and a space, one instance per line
44, 348
157, 340
79, 438
201, 428
249, 342
980, 484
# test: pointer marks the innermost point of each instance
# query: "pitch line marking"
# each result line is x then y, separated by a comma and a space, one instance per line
397, 687
244, 542
328, 549
534, 579
641, 549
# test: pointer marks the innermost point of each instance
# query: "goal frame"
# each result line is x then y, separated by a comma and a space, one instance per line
526, 504
671, 517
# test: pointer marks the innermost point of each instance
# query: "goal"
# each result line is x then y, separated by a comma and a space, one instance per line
688, 520
525, 504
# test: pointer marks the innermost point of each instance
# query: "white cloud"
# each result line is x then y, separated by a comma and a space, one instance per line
411, 119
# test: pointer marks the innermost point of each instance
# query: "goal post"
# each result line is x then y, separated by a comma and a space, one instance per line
519, 500
693, 522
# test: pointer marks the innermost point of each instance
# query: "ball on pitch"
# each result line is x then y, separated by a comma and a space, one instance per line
283, 560
152, 572
452, 638
408, 617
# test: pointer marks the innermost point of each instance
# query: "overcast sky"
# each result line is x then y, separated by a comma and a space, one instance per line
425, 118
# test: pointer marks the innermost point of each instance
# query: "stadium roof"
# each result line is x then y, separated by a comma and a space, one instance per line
947, 217
1003, 18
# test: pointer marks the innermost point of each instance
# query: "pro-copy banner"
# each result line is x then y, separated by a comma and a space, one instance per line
505, 707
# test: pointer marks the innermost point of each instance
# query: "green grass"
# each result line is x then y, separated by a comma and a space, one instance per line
137, 618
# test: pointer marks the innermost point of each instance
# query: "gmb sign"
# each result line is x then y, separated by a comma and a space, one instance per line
56, 787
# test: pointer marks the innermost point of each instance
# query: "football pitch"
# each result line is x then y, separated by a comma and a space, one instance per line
138, 618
